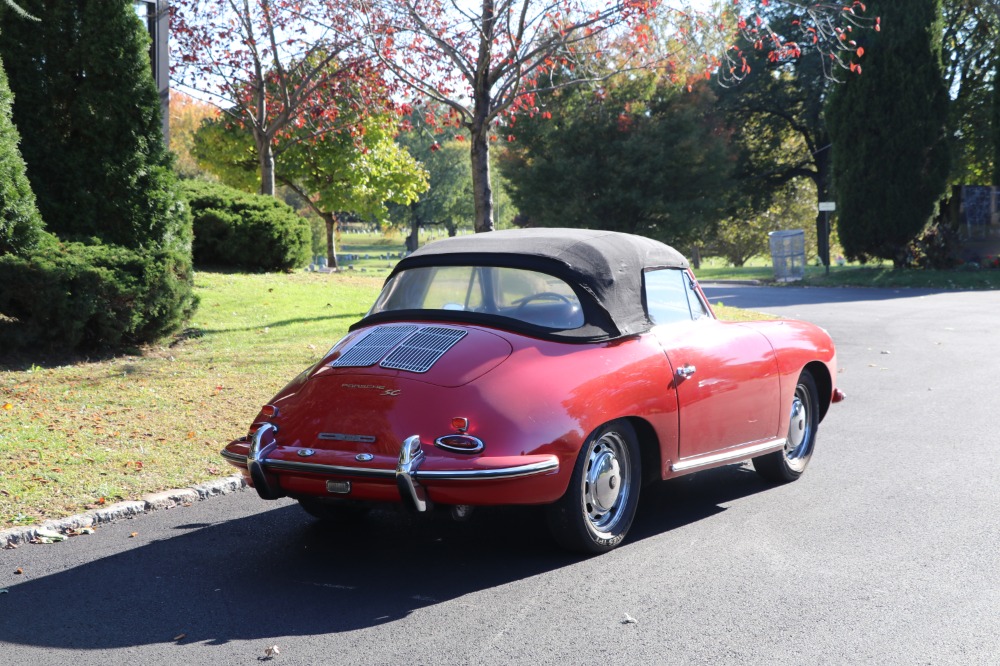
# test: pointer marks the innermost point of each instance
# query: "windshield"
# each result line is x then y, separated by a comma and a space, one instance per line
528, 296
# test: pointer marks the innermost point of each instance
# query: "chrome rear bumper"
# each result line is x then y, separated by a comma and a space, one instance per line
407, 473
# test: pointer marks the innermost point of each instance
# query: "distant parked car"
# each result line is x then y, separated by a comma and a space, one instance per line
556, 367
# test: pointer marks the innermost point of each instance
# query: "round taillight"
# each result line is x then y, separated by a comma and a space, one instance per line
460, 443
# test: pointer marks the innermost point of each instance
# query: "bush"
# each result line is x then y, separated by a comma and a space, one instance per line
80, 297
249, 231
20, 223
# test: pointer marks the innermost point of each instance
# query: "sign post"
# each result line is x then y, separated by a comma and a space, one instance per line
823, 240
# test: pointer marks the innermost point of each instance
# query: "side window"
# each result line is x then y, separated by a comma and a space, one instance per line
666, 296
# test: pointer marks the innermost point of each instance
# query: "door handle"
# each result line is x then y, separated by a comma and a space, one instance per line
685, 371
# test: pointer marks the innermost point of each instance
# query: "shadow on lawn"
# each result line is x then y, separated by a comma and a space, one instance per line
278, 573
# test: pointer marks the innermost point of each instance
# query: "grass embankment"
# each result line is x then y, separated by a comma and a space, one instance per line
77, 436
863, 276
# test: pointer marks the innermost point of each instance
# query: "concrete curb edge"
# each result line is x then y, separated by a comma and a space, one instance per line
167, 499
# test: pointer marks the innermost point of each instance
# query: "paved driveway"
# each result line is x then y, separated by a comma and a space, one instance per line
885, 552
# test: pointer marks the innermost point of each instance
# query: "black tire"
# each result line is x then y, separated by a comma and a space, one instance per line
596, 512
789, 463
333, 511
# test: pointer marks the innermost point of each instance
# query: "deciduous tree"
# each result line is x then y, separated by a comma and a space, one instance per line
494, 57
276, 68
186, 116
971, 52
636, 155
338, 173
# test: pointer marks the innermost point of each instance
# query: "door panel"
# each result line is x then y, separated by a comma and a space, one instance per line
730, 396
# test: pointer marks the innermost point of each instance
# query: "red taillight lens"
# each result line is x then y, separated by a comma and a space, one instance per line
269, 411
460, 423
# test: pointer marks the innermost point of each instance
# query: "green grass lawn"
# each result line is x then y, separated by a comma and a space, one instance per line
860, 276
77, 436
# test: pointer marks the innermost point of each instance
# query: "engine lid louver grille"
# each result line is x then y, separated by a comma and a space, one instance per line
420, 351
409, 347
373, 346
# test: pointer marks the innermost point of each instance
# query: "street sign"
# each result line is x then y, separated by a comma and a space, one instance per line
827, 206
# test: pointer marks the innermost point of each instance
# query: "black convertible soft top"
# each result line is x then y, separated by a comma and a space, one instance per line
607, 265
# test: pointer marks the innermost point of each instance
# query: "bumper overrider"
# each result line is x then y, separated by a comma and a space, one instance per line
407, 474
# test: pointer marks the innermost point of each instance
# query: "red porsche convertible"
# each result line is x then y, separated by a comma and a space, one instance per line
557, 367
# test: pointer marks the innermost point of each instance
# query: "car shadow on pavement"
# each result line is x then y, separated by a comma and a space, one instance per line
280, 573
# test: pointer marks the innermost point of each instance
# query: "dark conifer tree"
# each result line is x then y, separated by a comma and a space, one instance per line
20, 223
89, 116
996, 119
888, 127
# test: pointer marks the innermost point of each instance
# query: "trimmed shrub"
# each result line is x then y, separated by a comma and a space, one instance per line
234, 229
78, 297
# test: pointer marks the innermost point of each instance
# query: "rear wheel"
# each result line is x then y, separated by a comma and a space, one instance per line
333, 511
596, 512
789, 463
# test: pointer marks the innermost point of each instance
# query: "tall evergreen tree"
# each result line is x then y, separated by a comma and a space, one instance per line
888, 127
89, 117
20, 223
996, 119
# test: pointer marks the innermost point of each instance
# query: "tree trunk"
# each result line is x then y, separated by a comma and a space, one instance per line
266, 157
413, 239
482, 190
331, 233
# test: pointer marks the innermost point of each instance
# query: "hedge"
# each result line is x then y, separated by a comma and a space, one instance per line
75, 297
234, 229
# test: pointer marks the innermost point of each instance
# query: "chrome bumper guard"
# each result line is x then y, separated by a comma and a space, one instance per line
257, 457
407, 473
410, 457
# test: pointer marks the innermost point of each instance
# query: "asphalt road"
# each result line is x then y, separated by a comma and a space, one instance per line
885, 552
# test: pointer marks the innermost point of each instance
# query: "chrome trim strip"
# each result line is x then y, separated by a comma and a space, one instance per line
319, 468
732, 454
234, 457
499, 473
541, 467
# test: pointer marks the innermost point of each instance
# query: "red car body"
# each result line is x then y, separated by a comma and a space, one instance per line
464, 407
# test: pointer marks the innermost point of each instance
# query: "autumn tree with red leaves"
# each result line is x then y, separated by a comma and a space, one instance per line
489, 60
277, 68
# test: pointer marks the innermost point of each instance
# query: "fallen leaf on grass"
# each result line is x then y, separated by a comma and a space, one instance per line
7, 405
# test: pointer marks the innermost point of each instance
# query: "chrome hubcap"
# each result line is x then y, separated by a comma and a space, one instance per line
606, 482
798, 447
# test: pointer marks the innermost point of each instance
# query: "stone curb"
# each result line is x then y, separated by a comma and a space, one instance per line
18, 536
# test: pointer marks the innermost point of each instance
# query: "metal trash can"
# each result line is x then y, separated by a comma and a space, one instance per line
788, 254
